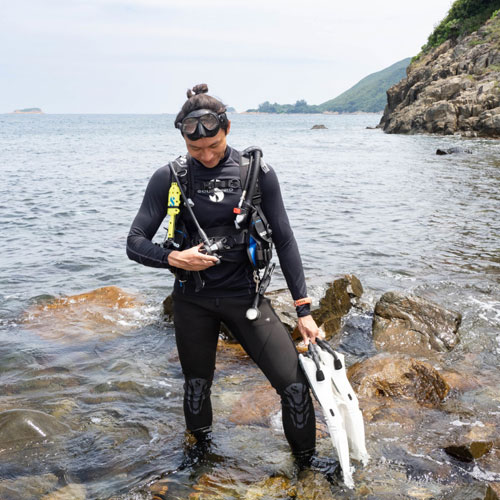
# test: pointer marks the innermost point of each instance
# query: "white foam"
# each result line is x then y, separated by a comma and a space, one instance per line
459, 423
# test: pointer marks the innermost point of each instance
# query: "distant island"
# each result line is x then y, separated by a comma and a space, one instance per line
28, 111
367, 96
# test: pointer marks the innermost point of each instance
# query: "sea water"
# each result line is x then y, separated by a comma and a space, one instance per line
383, 207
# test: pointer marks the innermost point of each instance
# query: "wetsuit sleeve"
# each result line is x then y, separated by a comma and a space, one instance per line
283, 238
147, 221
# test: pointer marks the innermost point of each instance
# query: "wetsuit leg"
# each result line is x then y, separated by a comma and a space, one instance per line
196, 334
269, 344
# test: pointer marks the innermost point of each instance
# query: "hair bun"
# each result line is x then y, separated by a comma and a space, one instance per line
201, 88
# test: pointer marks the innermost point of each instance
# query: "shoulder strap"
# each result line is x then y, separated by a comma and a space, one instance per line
181, 167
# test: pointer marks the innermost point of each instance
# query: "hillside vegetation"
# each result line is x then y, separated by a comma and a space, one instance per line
464, 17
368, 95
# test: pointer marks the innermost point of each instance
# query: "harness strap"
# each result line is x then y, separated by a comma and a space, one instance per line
218, 183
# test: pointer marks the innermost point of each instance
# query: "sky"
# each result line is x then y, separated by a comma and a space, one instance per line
140, 56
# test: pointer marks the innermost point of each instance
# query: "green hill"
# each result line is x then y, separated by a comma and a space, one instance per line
369, 94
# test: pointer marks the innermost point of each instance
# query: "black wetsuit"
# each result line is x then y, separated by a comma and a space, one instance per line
228, 292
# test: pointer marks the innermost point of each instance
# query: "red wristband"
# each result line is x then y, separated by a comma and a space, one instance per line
301, 302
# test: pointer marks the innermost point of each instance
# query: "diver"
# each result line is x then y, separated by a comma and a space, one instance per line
214, 286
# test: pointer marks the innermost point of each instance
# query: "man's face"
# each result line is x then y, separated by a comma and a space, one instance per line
209, 150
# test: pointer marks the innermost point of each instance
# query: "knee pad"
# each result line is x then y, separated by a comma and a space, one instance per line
196, 391
297, 401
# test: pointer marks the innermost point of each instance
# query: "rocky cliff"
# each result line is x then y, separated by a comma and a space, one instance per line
452, 89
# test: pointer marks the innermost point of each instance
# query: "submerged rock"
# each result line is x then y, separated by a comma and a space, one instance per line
406, 323
482, 491
105, 312
397, 376
69, 492
28, 425
451, 151
256, 407
27, 487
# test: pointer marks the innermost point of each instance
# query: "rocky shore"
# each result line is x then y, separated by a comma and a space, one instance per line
414, 405
430, 409
452, 89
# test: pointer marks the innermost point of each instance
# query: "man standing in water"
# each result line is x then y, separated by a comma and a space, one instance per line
212, 289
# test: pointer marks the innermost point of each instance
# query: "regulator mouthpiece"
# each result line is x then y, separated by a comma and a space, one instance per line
252, 314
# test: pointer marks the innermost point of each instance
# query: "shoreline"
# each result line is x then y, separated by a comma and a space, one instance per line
319, 114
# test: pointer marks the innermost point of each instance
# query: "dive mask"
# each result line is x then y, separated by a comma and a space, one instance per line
201, 123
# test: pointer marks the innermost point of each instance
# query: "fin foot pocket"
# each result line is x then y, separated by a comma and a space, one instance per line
329, 467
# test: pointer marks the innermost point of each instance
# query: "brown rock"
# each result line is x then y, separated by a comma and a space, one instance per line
493, 492
468, 452
397, 376
460, 381
256, 407
105, 312
405, 323
480, 491
69, 492
337, 302
168, 308
159, 489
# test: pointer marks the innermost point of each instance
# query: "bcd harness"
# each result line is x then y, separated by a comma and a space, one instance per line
251, 229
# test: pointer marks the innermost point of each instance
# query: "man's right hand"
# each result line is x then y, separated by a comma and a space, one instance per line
192, 259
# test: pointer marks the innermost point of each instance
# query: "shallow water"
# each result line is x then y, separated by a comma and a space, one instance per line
383, 207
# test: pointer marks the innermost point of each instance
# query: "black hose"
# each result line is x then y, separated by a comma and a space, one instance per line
188, 204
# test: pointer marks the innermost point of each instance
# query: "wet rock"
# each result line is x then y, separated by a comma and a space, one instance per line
229, 353
461, 381
256, 407
282, 303
63, 407
68, 492
397, 376
168, 308
493, 492
450, 151
467, 452
337, 302
276, 487
27, 487
104, 313
159, 489
314, 486
318, 127
472, 492
405, 323
28, 425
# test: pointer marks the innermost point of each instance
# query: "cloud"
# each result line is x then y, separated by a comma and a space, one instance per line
313, 50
